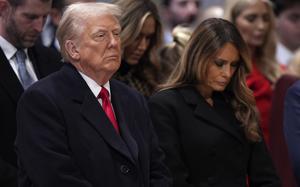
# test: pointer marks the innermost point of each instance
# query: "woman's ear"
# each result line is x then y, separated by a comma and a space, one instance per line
72, 50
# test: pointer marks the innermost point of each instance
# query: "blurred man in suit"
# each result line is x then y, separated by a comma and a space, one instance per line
292, 127
176, 12
21, 64
79, 128
288, 29
48, 37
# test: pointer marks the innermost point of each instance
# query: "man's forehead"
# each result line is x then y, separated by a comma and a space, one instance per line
35, 5
104, 22
181, 1
68, 2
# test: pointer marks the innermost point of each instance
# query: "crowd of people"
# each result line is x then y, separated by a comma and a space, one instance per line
152, 93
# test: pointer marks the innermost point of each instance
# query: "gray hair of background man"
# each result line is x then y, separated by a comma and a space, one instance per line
72, 23
15, 3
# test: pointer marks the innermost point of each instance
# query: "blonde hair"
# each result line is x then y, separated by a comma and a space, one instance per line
73, 20
207, 39
132, 20
265, 54
170, 53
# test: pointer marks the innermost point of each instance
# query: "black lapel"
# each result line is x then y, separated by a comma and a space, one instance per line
9, 79
119, 101
92, 111
204, 111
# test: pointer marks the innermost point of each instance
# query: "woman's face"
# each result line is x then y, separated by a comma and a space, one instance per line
254, 23
220, 70
136, 50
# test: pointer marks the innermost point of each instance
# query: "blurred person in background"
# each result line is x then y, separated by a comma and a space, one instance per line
212, 12
175, 12
292, 127
48, 37
205, 115
22, 62
141, 38
278, 146
171, 53
288, 29
256, 23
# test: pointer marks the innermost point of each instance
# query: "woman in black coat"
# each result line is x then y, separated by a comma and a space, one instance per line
205, 115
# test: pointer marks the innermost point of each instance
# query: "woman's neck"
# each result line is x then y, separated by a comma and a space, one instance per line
206, 93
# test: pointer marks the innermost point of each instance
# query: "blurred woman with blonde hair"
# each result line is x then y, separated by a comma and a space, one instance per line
255, 21
141, 37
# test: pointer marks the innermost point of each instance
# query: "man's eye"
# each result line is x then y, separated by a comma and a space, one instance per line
31, 17
116, 33
294, 17
100, 35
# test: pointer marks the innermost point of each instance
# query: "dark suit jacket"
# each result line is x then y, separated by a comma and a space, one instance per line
278, 147
292, 127
44, 62
65, 138
206, 146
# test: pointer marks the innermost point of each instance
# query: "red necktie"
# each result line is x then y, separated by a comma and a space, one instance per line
106, 105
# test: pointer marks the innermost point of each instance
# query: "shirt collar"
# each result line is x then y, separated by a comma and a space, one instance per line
95, 88
8, 49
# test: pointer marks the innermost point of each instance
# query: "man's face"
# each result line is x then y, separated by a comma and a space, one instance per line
23, 24
288, 27
99, 46
183, 11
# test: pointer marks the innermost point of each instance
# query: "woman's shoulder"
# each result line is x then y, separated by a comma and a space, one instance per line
173, 95
166, 93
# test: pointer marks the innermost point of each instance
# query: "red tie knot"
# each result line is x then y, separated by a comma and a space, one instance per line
104, 94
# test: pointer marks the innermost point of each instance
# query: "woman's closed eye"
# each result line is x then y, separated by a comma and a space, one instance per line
219, 63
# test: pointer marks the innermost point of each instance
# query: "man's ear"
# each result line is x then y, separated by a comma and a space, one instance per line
3, 7
72, 50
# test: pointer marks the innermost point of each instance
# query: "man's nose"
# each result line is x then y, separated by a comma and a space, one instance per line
193, 8
113, 40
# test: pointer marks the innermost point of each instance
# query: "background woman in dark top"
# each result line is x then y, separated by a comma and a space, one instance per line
141, 37
205, 115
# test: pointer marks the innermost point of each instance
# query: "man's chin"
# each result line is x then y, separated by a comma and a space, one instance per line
28, 44
114, 68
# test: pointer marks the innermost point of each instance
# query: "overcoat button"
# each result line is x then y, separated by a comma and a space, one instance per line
124, 169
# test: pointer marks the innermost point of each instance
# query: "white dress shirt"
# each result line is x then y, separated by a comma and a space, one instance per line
283, 54
10, 51
96, 88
